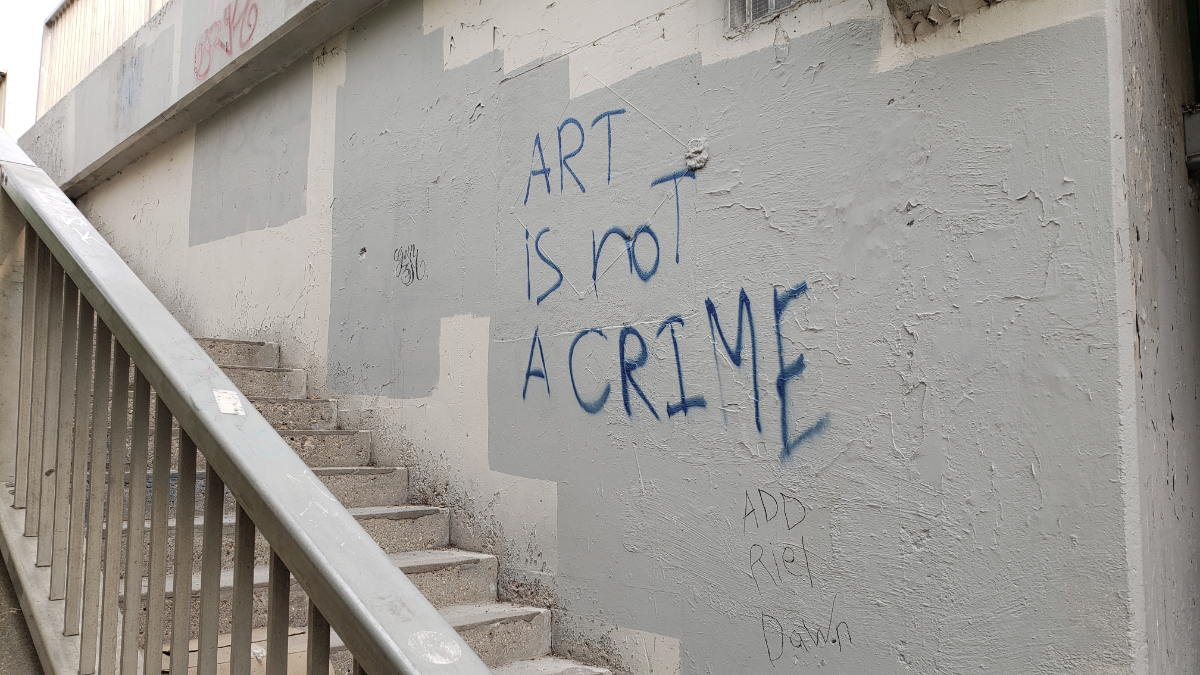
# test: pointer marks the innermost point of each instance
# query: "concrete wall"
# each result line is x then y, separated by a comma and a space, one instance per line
1164, 244
866, 391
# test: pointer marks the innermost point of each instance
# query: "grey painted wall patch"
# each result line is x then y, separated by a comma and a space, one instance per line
263, 140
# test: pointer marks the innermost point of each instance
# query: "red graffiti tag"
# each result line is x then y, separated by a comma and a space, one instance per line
220, 35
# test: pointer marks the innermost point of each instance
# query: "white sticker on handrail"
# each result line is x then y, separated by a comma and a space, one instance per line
434, 647
228, 402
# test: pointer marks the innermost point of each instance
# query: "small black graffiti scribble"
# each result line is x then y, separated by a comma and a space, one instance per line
409, 266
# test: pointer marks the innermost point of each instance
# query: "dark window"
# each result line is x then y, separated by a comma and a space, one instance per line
742, 12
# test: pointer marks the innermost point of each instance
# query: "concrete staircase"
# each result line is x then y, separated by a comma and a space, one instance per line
511, 639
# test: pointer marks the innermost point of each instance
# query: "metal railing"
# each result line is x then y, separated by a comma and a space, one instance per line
106, 373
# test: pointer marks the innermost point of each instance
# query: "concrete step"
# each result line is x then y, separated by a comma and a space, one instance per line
269, 382
450, 576
405, 528
497, 632
358, 486
549, 665
328, 448
396, 529
353, 486
318, 414
317, 447
241, 352
290, 413
446, 577
502, 633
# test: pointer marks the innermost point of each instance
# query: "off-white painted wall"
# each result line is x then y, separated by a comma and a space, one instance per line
268, 284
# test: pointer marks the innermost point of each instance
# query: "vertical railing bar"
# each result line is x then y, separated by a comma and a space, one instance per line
210, 571
114, 512
318, 642
75, 545
37, 411
185, 524
45, 528
243, 594
66, 439
279, 581
24, 402
159, 507
356, 668
94, 548
138, 449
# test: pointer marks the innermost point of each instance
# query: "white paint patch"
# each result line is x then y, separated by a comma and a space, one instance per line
647, 653
450, 426
993, 24
605, 47
435, 647
228, 402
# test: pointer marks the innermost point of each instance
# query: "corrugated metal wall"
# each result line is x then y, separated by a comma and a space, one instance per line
79, 35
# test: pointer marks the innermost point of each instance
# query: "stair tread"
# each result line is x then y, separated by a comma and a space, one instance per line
549, 665
394, 512
339, 470
321, 432
240, 352
400, 512
253, 343
462, 617
427, 560
353, 470
409, 562
273, 399
266, 369
470, 616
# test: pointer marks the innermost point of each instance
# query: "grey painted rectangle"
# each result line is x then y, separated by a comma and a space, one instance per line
263, 141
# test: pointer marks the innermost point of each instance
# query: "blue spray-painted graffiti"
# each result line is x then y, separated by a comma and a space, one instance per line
597, 249
537, 246
608, 115
633, 358
563, 167
635, 267
597, 405
530, 371
674, 178
787, 372
735, 353
685, 401
628, 365
544, 172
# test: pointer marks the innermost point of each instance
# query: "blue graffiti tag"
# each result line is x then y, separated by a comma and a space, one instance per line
735, 353
537, 246
674, 178
594, 406
788, 371
685, 401
627, 368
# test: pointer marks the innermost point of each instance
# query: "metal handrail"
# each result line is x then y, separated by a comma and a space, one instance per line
386, 623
